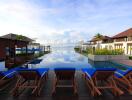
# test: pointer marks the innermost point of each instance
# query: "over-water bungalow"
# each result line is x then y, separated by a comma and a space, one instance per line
10, 46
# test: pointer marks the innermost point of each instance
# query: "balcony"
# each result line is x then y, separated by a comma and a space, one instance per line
120, 40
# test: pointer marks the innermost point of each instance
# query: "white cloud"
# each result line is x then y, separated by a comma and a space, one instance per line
64, 21
18, 16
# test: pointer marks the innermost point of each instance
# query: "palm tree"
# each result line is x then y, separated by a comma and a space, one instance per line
98, 36
19, 37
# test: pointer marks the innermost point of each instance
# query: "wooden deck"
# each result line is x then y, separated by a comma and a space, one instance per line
62, 93
125, 62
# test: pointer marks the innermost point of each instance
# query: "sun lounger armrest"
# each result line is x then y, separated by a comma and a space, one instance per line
91, 80
11, 73
123, 77
89, 76
119, 74
43, 73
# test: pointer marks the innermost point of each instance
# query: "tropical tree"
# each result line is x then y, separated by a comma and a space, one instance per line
98, 36
19, 37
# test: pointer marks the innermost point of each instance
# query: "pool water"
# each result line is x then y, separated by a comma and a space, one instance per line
107, 64
67, 57
2, 66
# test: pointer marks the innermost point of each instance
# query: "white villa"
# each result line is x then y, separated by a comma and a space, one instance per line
122, 40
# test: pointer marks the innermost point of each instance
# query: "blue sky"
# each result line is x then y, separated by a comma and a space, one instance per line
64, 21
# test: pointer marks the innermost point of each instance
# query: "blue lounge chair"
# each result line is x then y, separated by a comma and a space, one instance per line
7, 76
30, 78
64, 74
99, 79
124, 79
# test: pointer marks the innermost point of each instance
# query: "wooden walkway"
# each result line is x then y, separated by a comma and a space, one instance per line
62, 93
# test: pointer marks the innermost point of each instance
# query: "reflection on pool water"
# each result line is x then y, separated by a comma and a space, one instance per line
67, 57
63, 57
2, 65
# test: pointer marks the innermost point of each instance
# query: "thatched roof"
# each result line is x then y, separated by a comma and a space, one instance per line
16, 37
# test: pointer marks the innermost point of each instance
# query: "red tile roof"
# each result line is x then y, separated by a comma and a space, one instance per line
124, 34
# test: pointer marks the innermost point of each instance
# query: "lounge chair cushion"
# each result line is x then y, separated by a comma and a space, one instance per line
121, 73
40, 71
105, 69
10, 73
64, 69
91, 71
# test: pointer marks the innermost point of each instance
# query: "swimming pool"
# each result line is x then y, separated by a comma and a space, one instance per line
67, 57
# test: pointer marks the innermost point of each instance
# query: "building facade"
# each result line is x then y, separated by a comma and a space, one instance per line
122, 41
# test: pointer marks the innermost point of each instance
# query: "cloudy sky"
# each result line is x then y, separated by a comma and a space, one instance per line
64, 21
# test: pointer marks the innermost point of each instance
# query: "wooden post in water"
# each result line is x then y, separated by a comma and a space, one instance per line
44, 49
49, 48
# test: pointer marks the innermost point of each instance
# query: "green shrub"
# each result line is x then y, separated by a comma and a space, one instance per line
130, 57
103, 51
77, 49
89, 50
108, 52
